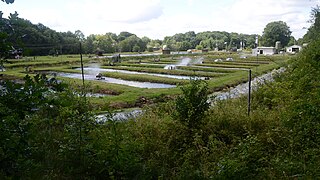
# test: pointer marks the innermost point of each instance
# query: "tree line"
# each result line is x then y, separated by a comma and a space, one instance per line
38, 39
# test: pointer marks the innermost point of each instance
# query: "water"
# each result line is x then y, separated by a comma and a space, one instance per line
117, 81
120, 116
242, 89
198, 61
97, 95
170, 67
97, 70
185, 62
185, 52
133, 55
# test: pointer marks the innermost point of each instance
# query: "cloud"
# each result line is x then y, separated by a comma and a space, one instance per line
242, 16
122, 11
159, 18
251, 16
191, 2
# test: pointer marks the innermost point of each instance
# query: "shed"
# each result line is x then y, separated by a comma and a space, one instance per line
293, 49
205, 50
165, 50
264, 51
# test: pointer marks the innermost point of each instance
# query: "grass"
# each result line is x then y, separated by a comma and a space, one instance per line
225, 65
165, 71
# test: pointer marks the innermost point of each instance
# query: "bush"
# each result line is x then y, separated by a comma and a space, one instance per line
192, 105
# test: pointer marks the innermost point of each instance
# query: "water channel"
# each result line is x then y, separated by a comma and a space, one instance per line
116, 81
243, 88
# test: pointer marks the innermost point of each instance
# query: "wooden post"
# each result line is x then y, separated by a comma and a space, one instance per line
249, 93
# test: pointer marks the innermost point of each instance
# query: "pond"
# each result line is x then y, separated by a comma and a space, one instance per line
116, 81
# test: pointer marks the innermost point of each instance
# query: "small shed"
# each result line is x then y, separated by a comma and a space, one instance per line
293, 49
165, 50
205, 50
264, 51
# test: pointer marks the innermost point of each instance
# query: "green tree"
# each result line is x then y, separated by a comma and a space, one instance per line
8, 1
314, 30
128, 43
199, 47
154, 44
123, 35
292, 41
89, 44
192, 105
276, 31
104, 43
4, 43
80, 36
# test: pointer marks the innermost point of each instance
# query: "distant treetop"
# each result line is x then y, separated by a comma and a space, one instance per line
8, 1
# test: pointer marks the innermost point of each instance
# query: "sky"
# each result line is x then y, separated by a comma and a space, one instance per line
159, 18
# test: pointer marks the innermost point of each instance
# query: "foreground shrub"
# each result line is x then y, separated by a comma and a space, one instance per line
192, 105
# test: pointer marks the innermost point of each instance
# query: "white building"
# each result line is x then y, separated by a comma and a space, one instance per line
293, 49
264, 51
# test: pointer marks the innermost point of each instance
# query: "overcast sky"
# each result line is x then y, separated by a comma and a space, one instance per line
159, 18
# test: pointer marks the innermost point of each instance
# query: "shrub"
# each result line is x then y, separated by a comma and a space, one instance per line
192, 105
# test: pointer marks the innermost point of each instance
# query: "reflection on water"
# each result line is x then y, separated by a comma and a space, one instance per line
117, 81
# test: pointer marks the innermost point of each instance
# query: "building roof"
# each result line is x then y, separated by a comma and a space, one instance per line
262, 47
294, 46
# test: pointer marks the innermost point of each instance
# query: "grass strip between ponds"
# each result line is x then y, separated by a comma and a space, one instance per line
145, 78
233, 63
165, 71
224, 65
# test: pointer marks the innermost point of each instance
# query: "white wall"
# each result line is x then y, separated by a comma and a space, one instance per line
264, 51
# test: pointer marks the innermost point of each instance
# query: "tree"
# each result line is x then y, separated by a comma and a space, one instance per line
4, 44
104, 43
314, 30
79, 35
89, 44
192, 105
8, 1
276, 31
292, 41
123, 35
